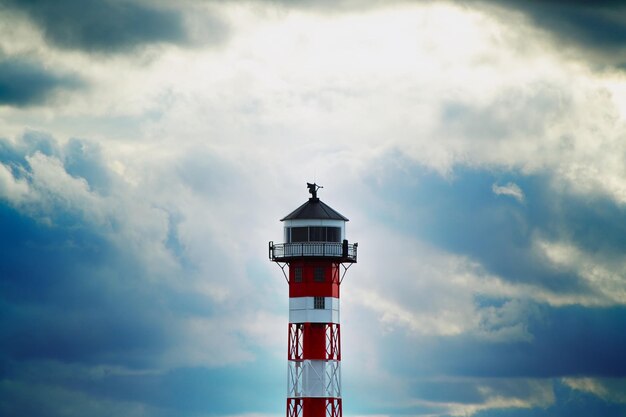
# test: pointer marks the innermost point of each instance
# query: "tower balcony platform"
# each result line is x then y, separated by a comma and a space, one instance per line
343, 252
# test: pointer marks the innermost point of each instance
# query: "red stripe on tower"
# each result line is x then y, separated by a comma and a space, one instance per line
317, 255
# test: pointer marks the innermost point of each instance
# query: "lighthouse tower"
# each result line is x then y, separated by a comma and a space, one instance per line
314, 258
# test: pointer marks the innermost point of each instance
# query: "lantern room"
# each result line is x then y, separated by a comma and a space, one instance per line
314, 230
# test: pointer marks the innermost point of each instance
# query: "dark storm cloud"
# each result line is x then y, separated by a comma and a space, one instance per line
24, 83
69, 294
595, 26
468, 369
463, 215
103, 25
566, 341
66, 289
88, 325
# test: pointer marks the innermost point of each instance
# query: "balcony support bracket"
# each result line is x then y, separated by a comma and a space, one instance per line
345, 269
282, 266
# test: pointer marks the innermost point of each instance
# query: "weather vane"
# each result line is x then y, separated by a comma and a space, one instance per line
313, 189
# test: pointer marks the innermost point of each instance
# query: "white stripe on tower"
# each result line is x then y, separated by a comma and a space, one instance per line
314, 310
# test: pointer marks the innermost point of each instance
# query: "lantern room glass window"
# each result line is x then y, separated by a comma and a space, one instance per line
299, 234
313, 234
317, 234
333, 234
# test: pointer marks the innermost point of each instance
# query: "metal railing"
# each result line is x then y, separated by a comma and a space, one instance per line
345, 251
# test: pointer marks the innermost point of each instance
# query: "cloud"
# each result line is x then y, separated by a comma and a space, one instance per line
26, 83
557, 247
151, 285
103, 26
472, 283
68, 273
567, 341
609, 389
510, 189
105, 300
597, 30
603, 272
49, 388
567, 402
12, 188
470, 395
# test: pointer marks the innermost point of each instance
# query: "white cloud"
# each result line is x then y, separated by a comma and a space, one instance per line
428, 292
53, 186
494, 393
609, 389
538, 393
11, 188
510, 189
356, 86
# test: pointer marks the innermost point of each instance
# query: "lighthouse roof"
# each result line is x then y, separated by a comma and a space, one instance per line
315, 209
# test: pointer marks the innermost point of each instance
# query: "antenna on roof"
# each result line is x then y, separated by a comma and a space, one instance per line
313, 189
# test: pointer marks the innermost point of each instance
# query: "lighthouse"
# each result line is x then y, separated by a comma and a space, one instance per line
314, 258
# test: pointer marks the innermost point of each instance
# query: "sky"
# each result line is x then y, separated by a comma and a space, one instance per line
148, 150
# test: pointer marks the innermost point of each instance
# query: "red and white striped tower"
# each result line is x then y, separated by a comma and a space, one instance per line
317, 255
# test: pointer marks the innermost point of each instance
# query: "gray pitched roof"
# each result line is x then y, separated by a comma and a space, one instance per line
315, 209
